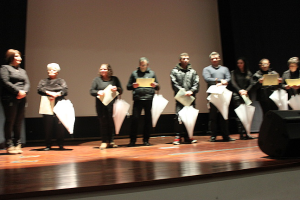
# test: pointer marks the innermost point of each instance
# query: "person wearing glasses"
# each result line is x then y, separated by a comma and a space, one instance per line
292, 73
216, 74
263, 93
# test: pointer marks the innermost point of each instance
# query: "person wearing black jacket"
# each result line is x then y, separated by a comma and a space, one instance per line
142, 97
292, 73
262, 93
15, 86
241, 83
183, 76
56, 89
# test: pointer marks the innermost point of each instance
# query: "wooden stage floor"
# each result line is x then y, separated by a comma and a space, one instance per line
87, 168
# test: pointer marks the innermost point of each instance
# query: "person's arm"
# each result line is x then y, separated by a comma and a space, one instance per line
208, 77
251, 82
175, 85
41, 88
227, 75
64, 90
130, 82
195, 87
234, 83
119, 86
94, 88
6, 81
155, 85
26, 82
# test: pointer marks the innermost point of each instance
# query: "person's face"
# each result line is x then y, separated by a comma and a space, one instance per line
17, 60
143, 65
241, 65
265, 65
184, 60
52, 72
103, 70
293, 67
215, 59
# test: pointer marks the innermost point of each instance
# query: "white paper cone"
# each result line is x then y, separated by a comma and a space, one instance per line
158, 105
120, 110
65, 112
188, 115
280, 98
222, 101
294, 102
245, 113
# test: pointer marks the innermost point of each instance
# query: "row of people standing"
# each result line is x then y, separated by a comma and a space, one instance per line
182, 76
16, 86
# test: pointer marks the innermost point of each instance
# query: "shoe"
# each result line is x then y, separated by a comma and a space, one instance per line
228, 139
177, 140
18, 148
131, 144
11, 150
190, 141
103, 145
249, 137
112, 145
147, 144
212, 139
61, 147
47, 149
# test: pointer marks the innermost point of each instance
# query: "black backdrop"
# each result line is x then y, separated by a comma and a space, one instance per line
259, 29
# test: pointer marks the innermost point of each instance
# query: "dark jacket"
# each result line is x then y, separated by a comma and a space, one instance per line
260, 92
13, 80
53, 85
290, 75
142, 93
184, 78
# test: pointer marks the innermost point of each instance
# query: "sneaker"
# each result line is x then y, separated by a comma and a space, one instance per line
177, 140
212, 139
228, 139
190, 141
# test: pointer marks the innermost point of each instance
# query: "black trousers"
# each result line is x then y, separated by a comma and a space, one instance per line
138, 106
107, 126
267, 105
14, 110
215, 118
51, 124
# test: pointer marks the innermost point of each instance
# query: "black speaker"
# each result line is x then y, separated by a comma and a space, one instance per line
279, 134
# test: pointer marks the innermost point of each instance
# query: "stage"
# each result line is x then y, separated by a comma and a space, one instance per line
83, 167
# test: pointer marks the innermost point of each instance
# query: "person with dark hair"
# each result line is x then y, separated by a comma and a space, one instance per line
15, 86
241, 83
262, 93
56, 89
105, 112
183, 76
215, 74
292, 73
142, 97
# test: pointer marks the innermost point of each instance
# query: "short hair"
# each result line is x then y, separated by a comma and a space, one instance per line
10, 55
144, 59
260, 62
110, 71
293, 60
213, 53
54, 65
183, 54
